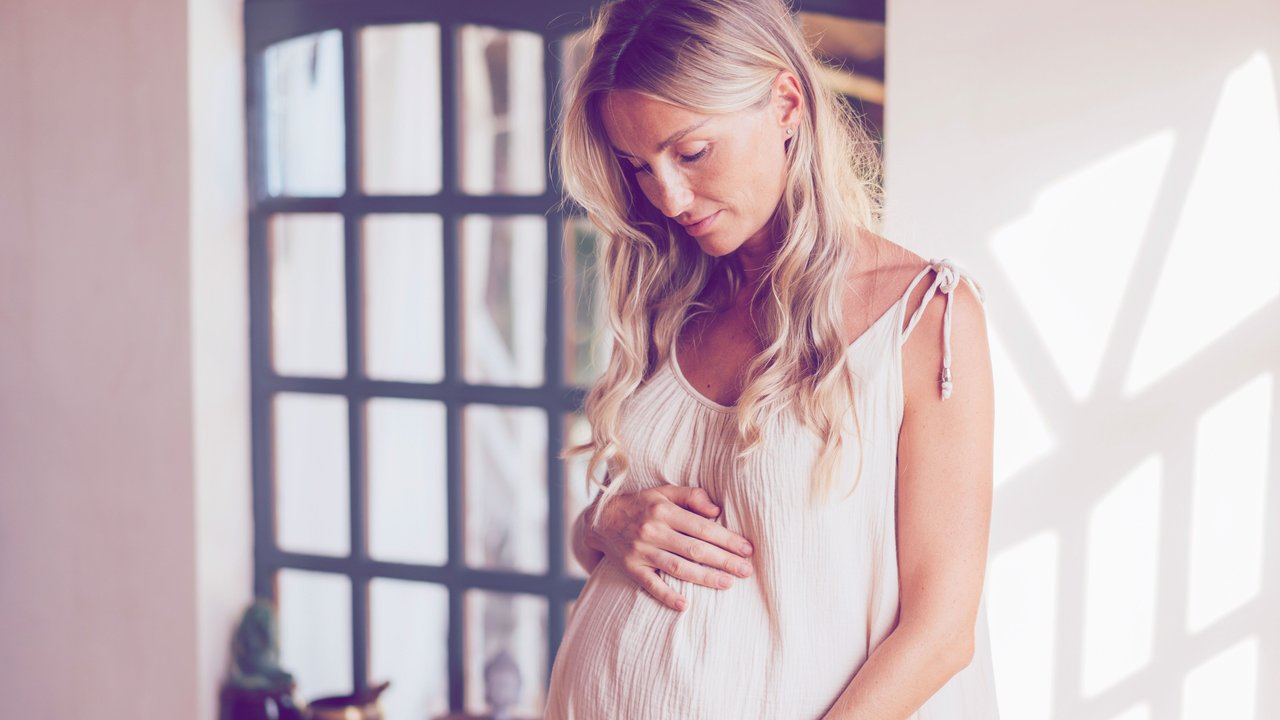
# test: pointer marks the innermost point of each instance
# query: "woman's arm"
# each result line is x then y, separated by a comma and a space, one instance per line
587, 556
944, 515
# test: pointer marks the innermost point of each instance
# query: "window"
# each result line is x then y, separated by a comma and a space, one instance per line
423, 321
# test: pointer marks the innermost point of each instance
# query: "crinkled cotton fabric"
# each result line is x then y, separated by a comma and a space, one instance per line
785, 642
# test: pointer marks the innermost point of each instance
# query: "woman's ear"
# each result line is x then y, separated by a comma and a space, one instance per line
788, 101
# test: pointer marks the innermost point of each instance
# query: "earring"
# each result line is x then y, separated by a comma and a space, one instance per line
789, 130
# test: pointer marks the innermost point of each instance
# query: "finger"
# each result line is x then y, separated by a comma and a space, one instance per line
694, 498
693, 572
703, 553
718, 536
657, 587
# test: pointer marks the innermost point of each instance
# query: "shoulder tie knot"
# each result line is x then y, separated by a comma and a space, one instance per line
948, 279
949, 276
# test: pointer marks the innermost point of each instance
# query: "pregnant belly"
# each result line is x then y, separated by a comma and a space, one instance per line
625, 654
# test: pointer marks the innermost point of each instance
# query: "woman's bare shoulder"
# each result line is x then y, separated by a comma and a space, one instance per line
887, 258
882, 272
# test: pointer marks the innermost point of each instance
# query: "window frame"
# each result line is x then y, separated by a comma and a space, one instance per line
267, 22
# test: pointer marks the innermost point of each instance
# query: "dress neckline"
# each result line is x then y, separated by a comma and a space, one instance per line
710, 404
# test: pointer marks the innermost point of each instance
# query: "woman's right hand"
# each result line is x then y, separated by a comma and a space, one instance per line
666, 529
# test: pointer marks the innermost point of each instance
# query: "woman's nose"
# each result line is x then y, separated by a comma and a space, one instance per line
673, 195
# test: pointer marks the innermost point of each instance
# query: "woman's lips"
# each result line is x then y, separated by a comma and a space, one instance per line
702, 225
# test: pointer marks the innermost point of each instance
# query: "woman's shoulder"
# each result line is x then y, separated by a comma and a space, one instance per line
882, 271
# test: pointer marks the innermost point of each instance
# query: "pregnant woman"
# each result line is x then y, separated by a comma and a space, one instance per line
795, 424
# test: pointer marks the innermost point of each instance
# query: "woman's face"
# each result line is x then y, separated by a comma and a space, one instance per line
720, 176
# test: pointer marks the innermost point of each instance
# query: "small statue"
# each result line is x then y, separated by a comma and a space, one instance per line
255, 651
257, 688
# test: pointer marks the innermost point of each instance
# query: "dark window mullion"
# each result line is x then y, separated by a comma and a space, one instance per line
554, 364
355, 202
453, 472
452, 360
278, 20
496, 581
564, 399
354, 282
262, 448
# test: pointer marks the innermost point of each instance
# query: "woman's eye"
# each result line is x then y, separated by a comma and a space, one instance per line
683, 158
696, 156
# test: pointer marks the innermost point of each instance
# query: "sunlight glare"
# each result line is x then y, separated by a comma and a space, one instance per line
1225, 250
1137, 712
1022, 435
1071, 256
1228, 503
1023, 587
1223, 686
1123, 552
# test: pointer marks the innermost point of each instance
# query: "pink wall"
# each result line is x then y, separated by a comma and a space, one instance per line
111, 603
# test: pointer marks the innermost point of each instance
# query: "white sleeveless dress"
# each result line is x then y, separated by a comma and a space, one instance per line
785, 642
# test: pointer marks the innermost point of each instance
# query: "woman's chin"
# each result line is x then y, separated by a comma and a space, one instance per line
710, 246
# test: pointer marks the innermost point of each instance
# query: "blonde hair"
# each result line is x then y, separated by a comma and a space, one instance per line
714, 57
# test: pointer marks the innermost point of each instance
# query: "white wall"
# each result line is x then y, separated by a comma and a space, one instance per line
219, 334
124, 516
1110, 173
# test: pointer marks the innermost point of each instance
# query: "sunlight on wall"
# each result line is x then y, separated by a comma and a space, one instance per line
1023, 589
1123, 552
1133, 270
1137, 712
1228, 227
1071, 256
1021, 430
1228, 504
1223, 686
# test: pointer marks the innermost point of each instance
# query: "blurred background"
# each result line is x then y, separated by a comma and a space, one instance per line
288, 308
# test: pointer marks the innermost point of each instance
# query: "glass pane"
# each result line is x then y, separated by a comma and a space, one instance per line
315, 631
303, 113
576, 494
404, 298
312, 495
408, 645
308, 299
506, 654
504, 270
400, 108
506, 487
406, 481
586, 347
500, 112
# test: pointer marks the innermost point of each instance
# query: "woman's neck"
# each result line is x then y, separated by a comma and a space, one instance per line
754, 256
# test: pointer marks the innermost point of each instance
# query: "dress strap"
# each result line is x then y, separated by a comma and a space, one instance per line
948, 277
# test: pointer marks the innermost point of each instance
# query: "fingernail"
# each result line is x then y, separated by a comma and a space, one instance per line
745, 548
743, 569
680, 604
723, 581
